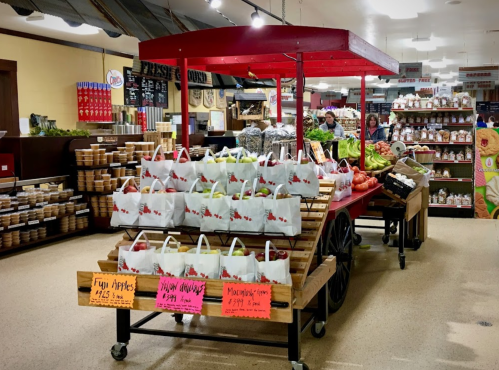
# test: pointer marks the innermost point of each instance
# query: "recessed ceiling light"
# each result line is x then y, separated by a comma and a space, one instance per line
322, 86
453, 2
424, 43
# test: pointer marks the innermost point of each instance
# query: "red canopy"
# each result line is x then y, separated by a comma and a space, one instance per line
270, 52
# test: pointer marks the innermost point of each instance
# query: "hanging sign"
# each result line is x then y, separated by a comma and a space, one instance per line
415, 82
331, 95
115, 79
479, 85
112, 290
354, 95
273, 97
479, 73
287, 97
180, 295
407, 70
246, 300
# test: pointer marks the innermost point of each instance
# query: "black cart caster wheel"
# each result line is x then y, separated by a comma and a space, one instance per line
299, 366
395, 243
338, 241
385, 239
357, 239
318, 334
119, 352
402, 262
178, 318
393, 229
416, 244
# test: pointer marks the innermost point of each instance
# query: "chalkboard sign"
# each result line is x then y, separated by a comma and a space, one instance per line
386, 108
494, 107
161, 94
132, 88
147, 92
482, 106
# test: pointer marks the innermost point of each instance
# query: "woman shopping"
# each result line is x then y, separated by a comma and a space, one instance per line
374, 132
332, 126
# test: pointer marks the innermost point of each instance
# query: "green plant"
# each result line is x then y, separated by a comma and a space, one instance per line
318, 134
37, 131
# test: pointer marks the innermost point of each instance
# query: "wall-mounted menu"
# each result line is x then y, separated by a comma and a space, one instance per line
379, 108
132, 88
161, 94
147, 92
487, 107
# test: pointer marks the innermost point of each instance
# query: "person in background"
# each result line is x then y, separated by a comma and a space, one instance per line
496, 124
332, 126
480, 123
491, 122
374, 132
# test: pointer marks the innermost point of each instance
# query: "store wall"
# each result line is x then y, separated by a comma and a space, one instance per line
47, 76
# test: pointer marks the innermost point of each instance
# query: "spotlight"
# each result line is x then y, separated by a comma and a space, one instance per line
215, 4
257, 21
387, 80
379, 78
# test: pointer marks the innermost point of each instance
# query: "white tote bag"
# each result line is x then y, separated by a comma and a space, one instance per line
330, 164
178, 203
192, 215
302, 179
202, 263
241, 268
215, 212
183, 174
152, 170
169, 261
240, 171
343, 185
282, 215
156, 209
275, 272
136, 261
210, 173
126, 206
246, 215
271, 177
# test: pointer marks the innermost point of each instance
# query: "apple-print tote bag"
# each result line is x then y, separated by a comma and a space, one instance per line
302, 179
202, 263
137, 258
215, 210
210, 172
246, 215
282, 215
156, 208
178, 202
243, 169
154, 169
240, 267
169, 261
126, 206
273, 271
183, 174
271, 176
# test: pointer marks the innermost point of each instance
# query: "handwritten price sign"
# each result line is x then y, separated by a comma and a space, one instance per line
113, 290
180, 295
246, 300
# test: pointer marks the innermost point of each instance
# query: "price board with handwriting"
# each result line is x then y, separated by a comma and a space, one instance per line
180, 295
113, 290
246, 300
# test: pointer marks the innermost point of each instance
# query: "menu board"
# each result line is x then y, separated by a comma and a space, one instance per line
161, 94
482, 106
379, 108
144, 92
132, 88
494, 107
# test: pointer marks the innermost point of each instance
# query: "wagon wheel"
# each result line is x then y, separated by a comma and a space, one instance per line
338, 242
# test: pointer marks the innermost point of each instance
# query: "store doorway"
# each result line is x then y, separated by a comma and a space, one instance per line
9, 108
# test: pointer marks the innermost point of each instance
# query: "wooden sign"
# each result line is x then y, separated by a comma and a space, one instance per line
479, 85
490, 73
180, 295
246, 300
112, 290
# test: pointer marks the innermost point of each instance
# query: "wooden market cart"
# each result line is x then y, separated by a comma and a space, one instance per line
311, 270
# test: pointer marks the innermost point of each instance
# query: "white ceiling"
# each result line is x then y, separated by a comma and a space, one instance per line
460, 28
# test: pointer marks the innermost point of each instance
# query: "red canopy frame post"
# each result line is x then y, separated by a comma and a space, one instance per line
299, 101
184, 102
362, 121
279, 101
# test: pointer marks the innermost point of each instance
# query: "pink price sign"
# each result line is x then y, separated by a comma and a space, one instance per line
180, 295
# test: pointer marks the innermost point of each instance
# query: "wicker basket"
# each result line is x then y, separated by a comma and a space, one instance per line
425, 156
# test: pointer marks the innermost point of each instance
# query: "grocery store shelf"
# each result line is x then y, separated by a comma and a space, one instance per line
37, 222
452, 180
44, 180
97, 122
39, 241
448, 206
107, 192
435, 143
107, 165
453, 162
425, 110
27, 207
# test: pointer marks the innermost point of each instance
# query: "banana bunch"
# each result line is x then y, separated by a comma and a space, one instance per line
353, 148
374, 161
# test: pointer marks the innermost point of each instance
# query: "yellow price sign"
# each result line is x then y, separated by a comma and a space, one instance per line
113, 290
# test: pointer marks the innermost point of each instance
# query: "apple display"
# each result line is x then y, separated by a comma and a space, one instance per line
238, 253
245, 251
220, 160
282, 255
130, 189
260, 257
210, 161
171, 190
264, 191
231, 159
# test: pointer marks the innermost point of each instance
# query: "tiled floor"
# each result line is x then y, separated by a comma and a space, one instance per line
422, 318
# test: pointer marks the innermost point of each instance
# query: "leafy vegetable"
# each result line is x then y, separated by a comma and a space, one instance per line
318, 134
37, 131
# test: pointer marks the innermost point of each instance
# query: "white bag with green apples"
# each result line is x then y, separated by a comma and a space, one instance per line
210, 172
246, 215
239, 168
302, 178
238, 267
202, 263
169, 261
282, 215
215, 210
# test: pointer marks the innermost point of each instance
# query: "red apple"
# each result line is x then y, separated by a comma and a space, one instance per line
140, 247
320, 177
182, 160
159, 158
282, 255
260, 257
245, 251
248, 192
261, 195
171, 190
147, 157
272, 256
236, 196
130, 189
